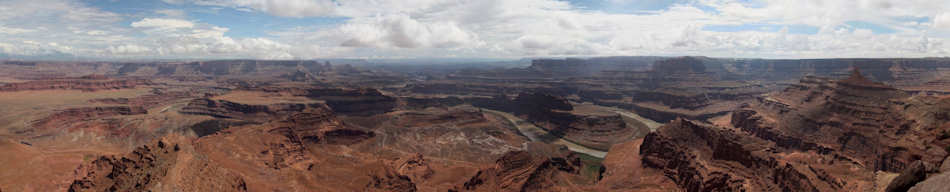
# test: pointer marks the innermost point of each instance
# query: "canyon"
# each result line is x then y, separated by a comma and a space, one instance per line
568, 124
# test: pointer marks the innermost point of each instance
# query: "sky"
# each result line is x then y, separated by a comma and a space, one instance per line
397, 29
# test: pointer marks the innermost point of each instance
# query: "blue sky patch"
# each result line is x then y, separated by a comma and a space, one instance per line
628, 6
875, 28
256, 24
240, 23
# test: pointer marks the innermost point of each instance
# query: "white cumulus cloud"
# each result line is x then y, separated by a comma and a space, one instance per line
486, 28
162, 23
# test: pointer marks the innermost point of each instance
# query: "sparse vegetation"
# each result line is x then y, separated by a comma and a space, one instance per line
592, 167
943, 135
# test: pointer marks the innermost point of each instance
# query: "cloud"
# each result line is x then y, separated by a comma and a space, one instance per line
14, 30
401, 31
94, 32
161, 23
531, 28
129, 49
942, 21
283, 8
43, 27
39, 27
484, 28
174, 2
173, 13
185, 39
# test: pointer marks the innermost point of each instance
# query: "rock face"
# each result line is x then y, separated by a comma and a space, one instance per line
387, 178
356, 102
320, 125
459, 134
876, 125
157, 98
933, 183
705, 158
691, 87
299, 123
534, 170
624, 171
360, 102
85, 84
422, 103
657, 88
414, 166
913, 174
245, 125
139, 171
288, 146
554, 114
298, 76
210, 127
256, 113
818, 135
87, 118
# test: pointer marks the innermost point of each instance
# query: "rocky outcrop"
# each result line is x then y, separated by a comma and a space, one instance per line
391, 181
701, 157
299, 76
689, 87
139, 171
358, 102
200, 174
313, 126
157, 98
600, 132
673, 100
935, 183
624, 171
851, 124
223, 108
281, 138
401, 174
680, 65
459, 133
422, 103
73, 118
298, 122
346, 136
232, 110
554, 114
313, 145
819, 134
914, 173
749, 121
414, 166
864, 121
320, 125
210, 127
536, 106
532, 170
